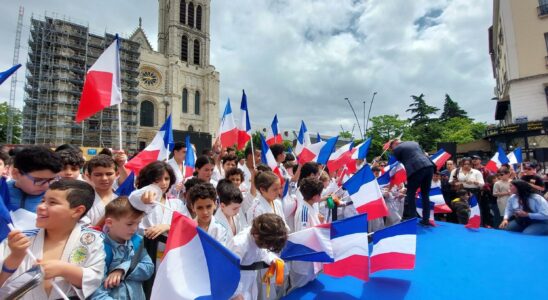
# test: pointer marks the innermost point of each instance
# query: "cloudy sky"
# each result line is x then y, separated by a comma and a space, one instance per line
301, 58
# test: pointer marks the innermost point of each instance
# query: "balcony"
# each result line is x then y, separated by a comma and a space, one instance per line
542, 10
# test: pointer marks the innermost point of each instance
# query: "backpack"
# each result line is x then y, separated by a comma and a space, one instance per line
138, 245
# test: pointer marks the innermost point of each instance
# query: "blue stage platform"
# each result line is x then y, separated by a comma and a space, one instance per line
452, 263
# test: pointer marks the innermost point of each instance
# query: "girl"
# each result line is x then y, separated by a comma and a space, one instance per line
268, 185
204, 169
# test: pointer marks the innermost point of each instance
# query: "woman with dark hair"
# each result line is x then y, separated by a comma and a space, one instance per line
203, 169
526, 212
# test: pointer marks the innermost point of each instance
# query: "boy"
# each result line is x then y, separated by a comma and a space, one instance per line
72, 161
34, 169
202, 199
305, 217
229, 214
127, 262
188, 185
258, 243
461, 206
102, 174
65, 250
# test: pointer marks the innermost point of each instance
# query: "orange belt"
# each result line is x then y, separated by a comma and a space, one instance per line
276, 268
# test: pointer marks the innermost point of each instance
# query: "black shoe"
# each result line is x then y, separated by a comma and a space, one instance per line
425, 223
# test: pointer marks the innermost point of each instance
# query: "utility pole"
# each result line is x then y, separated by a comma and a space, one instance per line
11, 105
370, 105
355, 116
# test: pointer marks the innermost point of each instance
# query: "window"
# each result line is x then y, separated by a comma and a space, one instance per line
147, 114
196, 52
190, 128
199, 17
197, 103
182, 12
184, 48
542, 8
185, 100
191, 14
546, 40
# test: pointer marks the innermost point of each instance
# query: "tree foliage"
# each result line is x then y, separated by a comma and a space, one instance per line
420, 110
451, 109
17, 121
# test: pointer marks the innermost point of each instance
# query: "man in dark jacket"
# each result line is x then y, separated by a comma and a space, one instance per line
419, 169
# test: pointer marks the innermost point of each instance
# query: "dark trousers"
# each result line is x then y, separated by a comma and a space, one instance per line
423, 179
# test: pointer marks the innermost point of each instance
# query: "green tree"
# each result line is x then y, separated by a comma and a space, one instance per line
461, 130
384, 128
451, 109
17, 121
345, 134
420, 110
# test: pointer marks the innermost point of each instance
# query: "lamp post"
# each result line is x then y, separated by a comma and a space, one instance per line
369, 113
355, 116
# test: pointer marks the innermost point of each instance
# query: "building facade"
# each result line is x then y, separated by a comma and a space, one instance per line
518, 46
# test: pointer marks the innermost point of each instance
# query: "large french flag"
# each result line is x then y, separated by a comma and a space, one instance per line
318, 152
273, 135
497, 160
268, 159
340, 158
360, 151
395, 247
436, 197
158, 149
439, 158
228, 132
303, 139
366, 194
515, 157
341, 244
190, 159
419, 212
6, 74
394, 174
244, 127
102, 87
475, 218
195, 265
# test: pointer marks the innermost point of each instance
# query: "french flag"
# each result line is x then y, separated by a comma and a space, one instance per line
127, 186
244, 127
102, 87
318, 152
436, 197
195, 265
439, 158
394, 174
303, 140
158, 149
419, 212
341, 244
395, 247
497, 160
340, 158
268, 159
475, 218
6, 74
366, 194
273, 136
228, 131
190, 159
515, 157
360, 151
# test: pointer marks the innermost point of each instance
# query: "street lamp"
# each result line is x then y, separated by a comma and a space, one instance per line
355, 116
369, 113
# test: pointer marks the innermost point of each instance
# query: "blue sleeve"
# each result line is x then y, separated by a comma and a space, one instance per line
144, 269
508, 210
101, 293
540, 206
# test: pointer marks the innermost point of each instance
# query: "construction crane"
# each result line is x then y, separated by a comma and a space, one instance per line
11, 106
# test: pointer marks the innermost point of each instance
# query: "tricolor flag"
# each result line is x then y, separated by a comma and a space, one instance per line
419, 212
244, 127
360, 151
318, 152
195, 265
127, 186
273, 135
395, 247
394, 174
318, 137
190, 159
341, 244
268, 159
515, 157
497, 160
475, 218
102, 86
366, 194
20, 218
5, 217
439, 158
303, 140
6, 74
228, 132
436, 197
158, 149
340, 158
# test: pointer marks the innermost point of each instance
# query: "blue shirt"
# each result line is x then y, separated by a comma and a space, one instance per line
537, 204
131, 286
20, 199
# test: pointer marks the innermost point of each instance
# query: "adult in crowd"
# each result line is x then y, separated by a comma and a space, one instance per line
420, 170
526, 211
530, 176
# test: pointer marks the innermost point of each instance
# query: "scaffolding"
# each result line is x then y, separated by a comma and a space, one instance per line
60, 53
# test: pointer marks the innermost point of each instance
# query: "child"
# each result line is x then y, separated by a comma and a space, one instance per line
251, 159
72, 161
102, 174
204, 169
189, 183
236, 176
227, 162
229, 215
268, 185
461, 206
4, 160
202, 198
34, 169
258, 243
65, 250
127, 263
